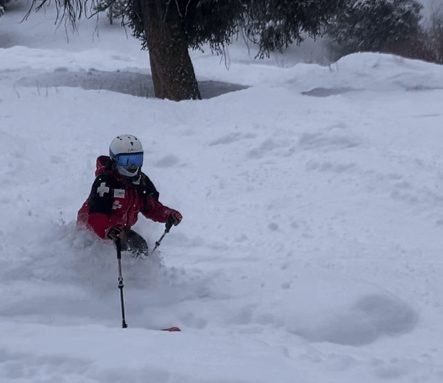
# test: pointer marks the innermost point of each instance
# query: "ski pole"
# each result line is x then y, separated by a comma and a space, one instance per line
118, 246
167, 228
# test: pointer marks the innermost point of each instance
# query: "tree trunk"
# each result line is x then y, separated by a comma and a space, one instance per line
171, 66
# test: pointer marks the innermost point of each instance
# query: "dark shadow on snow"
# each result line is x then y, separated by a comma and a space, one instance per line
326, 92
133, 83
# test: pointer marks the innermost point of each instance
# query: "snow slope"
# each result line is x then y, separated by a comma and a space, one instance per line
310, 249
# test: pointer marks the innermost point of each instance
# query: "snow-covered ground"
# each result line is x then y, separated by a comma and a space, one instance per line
311, 245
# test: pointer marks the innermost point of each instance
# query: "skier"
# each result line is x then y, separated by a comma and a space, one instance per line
121, 191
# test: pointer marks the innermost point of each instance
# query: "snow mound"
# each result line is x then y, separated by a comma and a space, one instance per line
368, 319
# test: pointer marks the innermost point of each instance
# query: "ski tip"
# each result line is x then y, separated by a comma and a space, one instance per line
171, 329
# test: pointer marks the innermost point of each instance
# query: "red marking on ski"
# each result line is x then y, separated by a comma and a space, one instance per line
171, 329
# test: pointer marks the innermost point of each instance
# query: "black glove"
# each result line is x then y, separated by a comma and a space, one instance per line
174, 218
115, 232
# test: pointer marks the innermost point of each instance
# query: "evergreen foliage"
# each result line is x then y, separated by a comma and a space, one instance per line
374, 25
115, 9
436, 34
271, 24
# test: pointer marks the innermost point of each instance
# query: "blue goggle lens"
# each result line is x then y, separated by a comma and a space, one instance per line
130, 159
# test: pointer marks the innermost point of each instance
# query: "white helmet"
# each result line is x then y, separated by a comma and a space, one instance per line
127, 153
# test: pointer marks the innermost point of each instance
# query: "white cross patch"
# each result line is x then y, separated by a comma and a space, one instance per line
102, 189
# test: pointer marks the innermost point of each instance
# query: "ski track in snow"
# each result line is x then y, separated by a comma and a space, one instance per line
310, 245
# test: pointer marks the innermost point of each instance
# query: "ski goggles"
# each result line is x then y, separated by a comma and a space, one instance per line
129, 159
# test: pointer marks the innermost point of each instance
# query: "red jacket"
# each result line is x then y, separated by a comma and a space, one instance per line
114, 200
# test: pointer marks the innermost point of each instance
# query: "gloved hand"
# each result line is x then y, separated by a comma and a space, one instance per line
174, 218
116, 232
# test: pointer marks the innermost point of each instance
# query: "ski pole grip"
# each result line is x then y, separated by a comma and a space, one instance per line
168, 226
